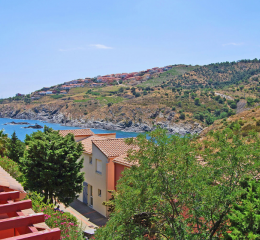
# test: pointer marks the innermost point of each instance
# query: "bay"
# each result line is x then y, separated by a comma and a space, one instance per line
21, 131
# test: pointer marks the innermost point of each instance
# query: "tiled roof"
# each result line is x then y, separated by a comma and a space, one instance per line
77, 132
87, 143
7, 181
122, 159
113, 147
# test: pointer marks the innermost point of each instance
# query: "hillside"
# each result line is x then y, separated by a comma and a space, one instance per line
183, 99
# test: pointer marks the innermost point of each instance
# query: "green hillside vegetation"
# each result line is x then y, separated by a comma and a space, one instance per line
185, 93
162, 77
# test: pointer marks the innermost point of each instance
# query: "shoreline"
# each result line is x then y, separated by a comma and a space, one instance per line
55, 116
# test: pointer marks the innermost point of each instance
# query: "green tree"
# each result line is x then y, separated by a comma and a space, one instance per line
250, 102
172, 195
245, 215
15, 148
197, 101
179, 104
3, 143
209, 119
51, 165
182, 116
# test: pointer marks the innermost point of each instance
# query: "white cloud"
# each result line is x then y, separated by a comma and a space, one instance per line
233, 44
100, 46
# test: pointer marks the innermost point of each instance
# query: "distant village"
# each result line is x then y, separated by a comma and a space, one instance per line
132, 79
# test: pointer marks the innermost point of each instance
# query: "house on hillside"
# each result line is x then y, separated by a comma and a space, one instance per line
101, 172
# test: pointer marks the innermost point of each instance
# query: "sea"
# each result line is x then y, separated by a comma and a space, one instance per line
21, 131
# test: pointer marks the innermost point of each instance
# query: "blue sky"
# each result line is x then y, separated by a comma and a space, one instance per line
44, 43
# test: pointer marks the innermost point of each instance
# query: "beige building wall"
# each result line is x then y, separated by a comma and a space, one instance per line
96, 180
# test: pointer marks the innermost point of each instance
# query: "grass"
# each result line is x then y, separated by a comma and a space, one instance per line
82, 100
78, 90
112, 99
165, 76
57, 96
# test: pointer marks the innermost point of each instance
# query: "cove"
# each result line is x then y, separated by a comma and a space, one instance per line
21, 131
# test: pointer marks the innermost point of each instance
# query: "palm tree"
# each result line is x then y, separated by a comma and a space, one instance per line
3, 142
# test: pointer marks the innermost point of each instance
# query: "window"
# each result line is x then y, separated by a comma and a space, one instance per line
90, 160
99, 167
99, 192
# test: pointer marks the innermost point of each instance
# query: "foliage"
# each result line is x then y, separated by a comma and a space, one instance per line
57, 96
15, 148
70, 230
182, 116
12, 168
172, 195
51, 165
197, 101
245, 215
3, 143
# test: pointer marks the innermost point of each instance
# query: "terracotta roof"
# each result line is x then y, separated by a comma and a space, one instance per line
113, 147
76, 132
87, 143
7, 181
122, 159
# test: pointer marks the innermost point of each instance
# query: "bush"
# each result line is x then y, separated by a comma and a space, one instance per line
182, 116
223, 115
11, 167
67, 223
233, 105
197, 101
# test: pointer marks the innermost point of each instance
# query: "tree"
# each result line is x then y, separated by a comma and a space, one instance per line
197, 101
169, 194
15, 148
250, 102
3, 143
245, 216
51, 165
146, 194
179, 104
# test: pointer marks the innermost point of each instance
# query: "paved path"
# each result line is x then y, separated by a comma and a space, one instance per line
88, 217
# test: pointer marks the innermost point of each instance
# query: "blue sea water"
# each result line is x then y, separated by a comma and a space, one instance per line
21, 131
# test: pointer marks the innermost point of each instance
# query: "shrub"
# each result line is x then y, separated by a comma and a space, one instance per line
11, 167
233, 105
197, 101
182, 116
67, 223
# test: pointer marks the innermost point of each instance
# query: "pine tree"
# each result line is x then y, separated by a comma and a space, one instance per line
15, 148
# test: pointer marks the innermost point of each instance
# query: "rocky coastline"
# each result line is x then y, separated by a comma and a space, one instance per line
55, 116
